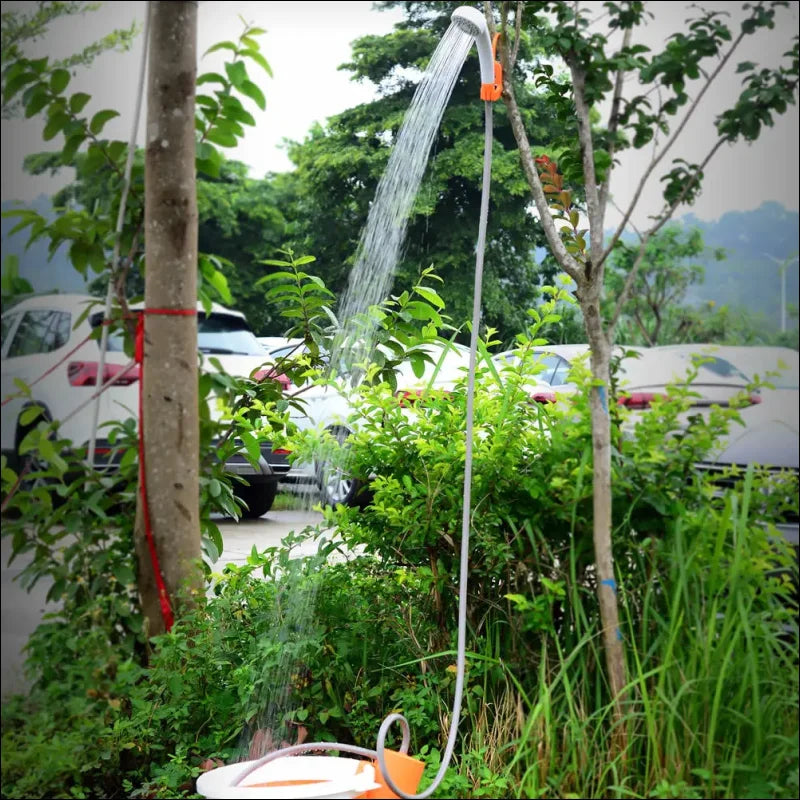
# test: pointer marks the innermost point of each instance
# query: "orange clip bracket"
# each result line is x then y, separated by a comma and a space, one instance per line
492, 91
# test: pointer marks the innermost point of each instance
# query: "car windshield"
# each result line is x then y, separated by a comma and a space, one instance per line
759, 362
217, 334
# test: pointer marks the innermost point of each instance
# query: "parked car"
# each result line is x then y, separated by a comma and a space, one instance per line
39, 332
754, 361
769, 434
642, 374
278, 346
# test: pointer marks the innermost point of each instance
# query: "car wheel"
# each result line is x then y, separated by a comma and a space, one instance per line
259, 498
336, 485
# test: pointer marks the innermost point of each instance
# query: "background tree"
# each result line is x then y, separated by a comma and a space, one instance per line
661, 284
245, 220
339, 166
642, 112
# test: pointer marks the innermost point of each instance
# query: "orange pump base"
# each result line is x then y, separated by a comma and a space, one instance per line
406, 772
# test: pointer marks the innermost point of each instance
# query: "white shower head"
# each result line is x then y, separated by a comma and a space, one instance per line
472, 22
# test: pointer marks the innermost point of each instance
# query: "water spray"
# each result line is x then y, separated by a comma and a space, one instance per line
396, 774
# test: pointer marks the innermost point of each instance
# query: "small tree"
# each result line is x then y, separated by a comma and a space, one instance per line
213, 118
597, 70
22, 26
663, 280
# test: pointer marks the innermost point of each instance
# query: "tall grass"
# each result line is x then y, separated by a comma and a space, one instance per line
711, 708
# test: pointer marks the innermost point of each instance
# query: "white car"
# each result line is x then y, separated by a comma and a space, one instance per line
643, 373
769, 434
43, 348
278, 346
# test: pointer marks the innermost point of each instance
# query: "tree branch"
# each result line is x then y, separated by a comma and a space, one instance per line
625, 294
663, 219
517, 33
587, 153
613, 124
640, 325
570, 265
656, 160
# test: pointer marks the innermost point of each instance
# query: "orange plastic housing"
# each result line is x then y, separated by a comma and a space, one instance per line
492, 91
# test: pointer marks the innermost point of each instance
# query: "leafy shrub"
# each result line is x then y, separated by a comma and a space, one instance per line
323, 651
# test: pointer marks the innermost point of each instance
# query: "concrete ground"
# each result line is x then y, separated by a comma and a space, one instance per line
22, 611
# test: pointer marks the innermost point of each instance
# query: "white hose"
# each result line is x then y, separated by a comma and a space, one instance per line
126, 185
378, 753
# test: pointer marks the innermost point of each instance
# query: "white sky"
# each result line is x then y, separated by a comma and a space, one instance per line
307, 41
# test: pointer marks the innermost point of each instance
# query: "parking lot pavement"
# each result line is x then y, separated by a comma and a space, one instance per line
22, 611
239, 537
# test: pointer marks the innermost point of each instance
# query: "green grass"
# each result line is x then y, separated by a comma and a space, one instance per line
711, 709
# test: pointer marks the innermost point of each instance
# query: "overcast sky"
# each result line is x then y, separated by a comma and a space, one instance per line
307, 41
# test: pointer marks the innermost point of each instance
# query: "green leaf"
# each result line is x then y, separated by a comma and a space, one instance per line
277, 263
211, 77
220, 283
56, 123
37, 102
56, 591
209, 159
251, 445
221, 137
417, 364
71, 147
237, 73
29, 415
206, 101
13, 85
78, 101
124, 574
221, 46
254, 93
430, 295
259, 59
100, 118
79, 256
59, 80
128, 458
237, 114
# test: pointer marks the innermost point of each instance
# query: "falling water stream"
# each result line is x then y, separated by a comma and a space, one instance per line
378, 253
382, 239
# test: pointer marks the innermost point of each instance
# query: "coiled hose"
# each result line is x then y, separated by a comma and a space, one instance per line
378, 753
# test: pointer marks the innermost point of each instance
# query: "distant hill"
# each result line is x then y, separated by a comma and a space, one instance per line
748, 277
45, 276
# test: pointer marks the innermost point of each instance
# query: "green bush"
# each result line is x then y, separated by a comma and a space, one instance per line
302, 649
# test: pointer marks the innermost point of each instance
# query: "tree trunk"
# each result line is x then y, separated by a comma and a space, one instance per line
590, 287
169, 371
602, 505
